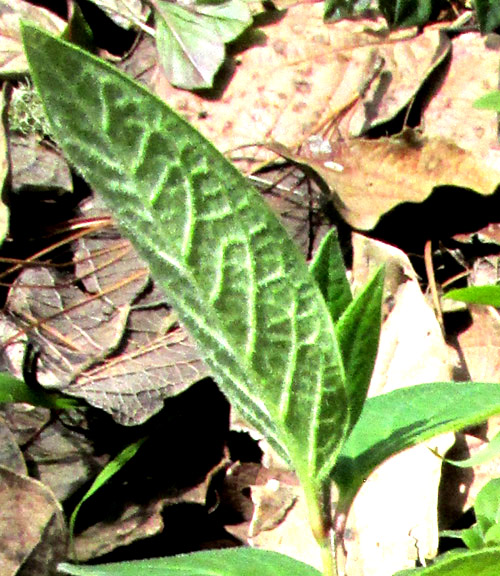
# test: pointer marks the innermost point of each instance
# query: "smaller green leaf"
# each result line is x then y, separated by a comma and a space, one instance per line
485, 455
106, 473
358, 332
490, 101
191, 38
338, 9
487, 505
405, 417
488, 295
329, 271
473, 538
405, 13
14, 390
229, 562
483, 562
488, 15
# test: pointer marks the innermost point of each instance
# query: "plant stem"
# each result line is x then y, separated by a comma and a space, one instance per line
320, 519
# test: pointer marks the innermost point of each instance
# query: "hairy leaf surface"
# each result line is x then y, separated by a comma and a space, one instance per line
238, 282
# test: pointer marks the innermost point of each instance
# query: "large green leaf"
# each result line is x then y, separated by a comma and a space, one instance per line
231, 562
405, 417
225, 262
191, 38
481, 563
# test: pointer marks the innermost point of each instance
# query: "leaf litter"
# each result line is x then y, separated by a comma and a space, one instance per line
342, 84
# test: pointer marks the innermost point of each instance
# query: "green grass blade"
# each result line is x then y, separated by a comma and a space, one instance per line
403, 418
106, 473
230, 562
225, 262
489, 101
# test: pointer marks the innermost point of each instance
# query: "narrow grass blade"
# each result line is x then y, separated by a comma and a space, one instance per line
104, 476
14, 390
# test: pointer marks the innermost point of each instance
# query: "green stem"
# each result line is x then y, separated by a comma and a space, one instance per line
320, 519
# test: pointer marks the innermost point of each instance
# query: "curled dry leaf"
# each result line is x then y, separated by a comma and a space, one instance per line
368, 178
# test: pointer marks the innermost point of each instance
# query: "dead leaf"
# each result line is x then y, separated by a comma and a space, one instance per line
10, 454
4, 170
393, 522
300, 75
33, 535
37, 167
12, 59
368, 178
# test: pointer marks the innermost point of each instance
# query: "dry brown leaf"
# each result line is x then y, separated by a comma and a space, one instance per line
394, 519
33, 535
12, 58
10, 454
473, 71
298, 75
368, 178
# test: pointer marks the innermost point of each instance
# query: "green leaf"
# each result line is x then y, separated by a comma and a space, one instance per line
329, 271
106, 473
358, 332
14, 390
405, 13
230, 562
480, 563
487, 505
484, 455
338, 9
191, 38
490, 101
405, 417
488, 295
488, 15
225, 262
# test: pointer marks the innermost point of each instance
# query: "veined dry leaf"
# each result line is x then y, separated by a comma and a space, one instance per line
105, 334
10, 454
12, 59
368, 178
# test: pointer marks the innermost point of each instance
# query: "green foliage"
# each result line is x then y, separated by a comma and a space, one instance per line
406, 13
480, 563
488, 295
294, 361
231, 562
14, 390
191, 38
488, 15
490, 101
104, 476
